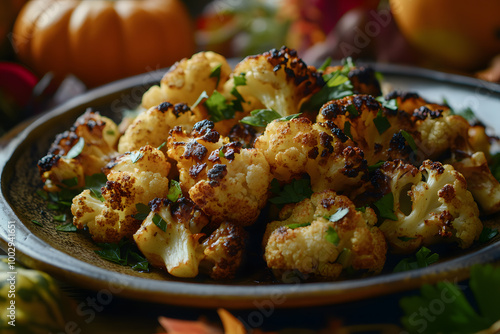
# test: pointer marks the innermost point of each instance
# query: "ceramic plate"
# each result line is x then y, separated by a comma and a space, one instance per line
71, 257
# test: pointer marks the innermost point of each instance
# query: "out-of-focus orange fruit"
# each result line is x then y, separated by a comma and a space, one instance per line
459, 34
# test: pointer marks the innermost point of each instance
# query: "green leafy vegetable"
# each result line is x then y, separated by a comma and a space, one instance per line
218, 108
443, 308
385, 207
332, 236
162, 145
69, 227
347, 129
391, 104
76, 150
215, 73
375, 166
142, 211
409, 140
136, 156
289, 117
60, 218
325, 64
381, 122
261, 117
160, 222
202, 96
94, 183
124, 253
293, 192
297, 225
352, 110
70, 183
338, 215
423, 258
36, 222
487, 234
174, 191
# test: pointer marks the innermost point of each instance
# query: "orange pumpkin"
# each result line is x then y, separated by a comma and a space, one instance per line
101, 40
459, 34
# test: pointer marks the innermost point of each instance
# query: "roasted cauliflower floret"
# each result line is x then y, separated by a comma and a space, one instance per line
431, 205
373, 128
153, 125
127, 185
188, 78
480, 181
84, 150
321, 150
324, 235
171, 238
277, 79
228, 182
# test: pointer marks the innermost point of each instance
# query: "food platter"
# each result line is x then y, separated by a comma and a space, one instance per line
71, 257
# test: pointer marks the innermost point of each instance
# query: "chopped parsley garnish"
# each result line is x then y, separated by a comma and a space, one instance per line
160, 222
423, 258
487, 234
70, 183
293, 192
261, 117
240, 80
409, 140
289, 117
332, 236
162, 145
218, 108
347, 129
76, 150
352, 110
124, 253
94, 183
36, 222
136, 156
110, 132
391, 104
174, 191
385, 207
202, 96
297, 225
341, 213
325, 64
381, 122
215, 73
142, 211
69, 227
375, 166
60, 218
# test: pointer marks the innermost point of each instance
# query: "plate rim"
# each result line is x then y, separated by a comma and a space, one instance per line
214, 295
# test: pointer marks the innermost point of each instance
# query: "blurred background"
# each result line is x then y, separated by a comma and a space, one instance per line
51, 50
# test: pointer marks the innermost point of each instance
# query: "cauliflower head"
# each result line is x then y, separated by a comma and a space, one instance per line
277, 79
109, 216
187, 79
324, 235
84, 150
171, 238
153, 125
321, 150
228, 182
480, 181
431, 205
374, 129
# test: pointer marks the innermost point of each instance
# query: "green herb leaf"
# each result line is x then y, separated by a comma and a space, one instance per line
260, 117
457, 315
43, 194
60, 218
240, 80
341, 213
124, 253
158, 221
174, 191
375, 166
110, 133
70, 183
76, 149
409, 140
36, 222
385, 207
69, 227
361, 209
202, 96
289, 117
423, 258
344, 257
381, 122
351, 108
293, 192
332, 236
94, 183
337, 86
495, 166
142, 211
391, 104
297, 225
215, 73
218, 108
162, 145
347, 129
136, 156
487, 234
325, 64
